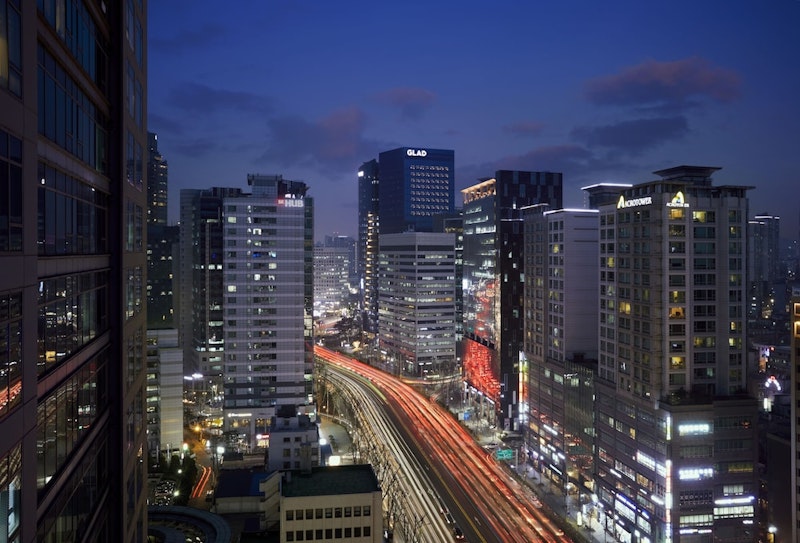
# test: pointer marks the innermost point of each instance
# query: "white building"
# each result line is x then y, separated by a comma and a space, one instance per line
417, 301
331, 277
293, 441
267, 298
342, 503
164, 391
677, 444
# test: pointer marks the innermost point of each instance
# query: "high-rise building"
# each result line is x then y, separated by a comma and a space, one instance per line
367, 250
416, 306
403, 191
676, 456
267, 299
162, 241
201, 282
764, 266
331, 278
164, 392
415, 184
493, 283
157, 177
72, 302
560, 354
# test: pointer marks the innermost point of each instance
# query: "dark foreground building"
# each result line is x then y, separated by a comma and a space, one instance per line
73, 201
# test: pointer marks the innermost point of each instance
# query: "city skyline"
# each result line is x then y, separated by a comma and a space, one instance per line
312, 91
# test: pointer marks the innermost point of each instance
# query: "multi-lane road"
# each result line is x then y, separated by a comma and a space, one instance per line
487, 503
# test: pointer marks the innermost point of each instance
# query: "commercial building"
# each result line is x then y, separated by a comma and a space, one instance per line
493, 284
331, 278
201, 283
367, 248
162, 242
267, 300
676, 437
164, 392
765, 274
403, 191
72, 301
342, 503
560, 348
416, 304
293, 441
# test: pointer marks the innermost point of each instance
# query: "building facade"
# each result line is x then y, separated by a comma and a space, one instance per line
331, 278
293, 441
201, 283
164, 392
493, 283
267, 301
676, 455
162, 242
560, 347
415, 185
765, 272
367, 245
416, 305
72, 301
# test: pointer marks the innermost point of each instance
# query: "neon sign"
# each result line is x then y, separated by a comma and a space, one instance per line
634, 202
416, 152
678, 200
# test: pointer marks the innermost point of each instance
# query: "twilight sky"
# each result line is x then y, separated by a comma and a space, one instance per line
601, 91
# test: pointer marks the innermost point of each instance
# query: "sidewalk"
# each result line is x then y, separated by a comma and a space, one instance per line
551, 495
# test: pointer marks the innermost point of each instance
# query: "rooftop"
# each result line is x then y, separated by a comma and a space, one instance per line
330, 480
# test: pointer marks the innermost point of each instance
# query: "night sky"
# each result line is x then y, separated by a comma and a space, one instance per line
601, 91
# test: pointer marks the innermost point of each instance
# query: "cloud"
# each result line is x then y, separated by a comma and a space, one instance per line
567, 158
335, 142
412, 102
524, 128
633, 137
202, 99
672, 85
201, 36
199, 147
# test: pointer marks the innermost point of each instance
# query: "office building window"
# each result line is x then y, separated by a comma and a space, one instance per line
11, 54
10, 351
10, 187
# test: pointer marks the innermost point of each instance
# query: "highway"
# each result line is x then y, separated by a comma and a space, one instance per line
490, 506
417, 513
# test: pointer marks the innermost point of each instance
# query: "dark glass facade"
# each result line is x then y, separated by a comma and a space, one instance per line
72, 255
415, 184
493, 278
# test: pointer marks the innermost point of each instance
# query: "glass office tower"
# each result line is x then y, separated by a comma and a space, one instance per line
73, 202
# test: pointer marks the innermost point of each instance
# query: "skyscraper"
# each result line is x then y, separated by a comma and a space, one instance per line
676, 432
367, 249
201, 282
162, 242
764, 266
401, 192
415, 185
268, 295
493, 282
72, 301
417, 303
560, 354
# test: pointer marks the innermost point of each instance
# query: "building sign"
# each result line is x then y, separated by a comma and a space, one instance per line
634, 202
291, 202
417, 152
678, 200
